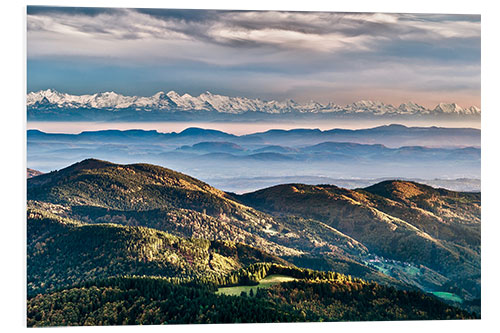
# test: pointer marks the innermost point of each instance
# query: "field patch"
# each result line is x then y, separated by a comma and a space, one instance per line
265, 283
448, 296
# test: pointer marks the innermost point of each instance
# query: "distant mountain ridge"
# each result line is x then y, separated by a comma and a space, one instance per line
394, 135
208, 102
381, 152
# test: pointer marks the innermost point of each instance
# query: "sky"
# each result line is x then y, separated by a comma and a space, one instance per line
321, 56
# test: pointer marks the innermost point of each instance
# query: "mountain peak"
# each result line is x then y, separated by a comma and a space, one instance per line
399, 189
200, 131
209, 101
173, 94
159, 93
90, 178
448, 108
91, 163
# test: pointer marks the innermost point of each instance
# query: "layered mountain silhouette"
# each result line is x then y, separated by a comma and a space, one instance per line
231, 161
392, 136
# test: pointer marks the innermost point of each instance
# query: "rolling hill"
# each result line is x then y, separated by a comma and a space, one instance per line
62, 252
98, 191
154, 301
94, 191
109, 274
398, 220
397, 233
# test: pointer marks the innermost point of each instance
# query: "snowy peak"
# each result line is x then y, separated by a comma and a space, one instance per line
454, 108
448, 108
412, 108
173, 95
474, 110
207, 101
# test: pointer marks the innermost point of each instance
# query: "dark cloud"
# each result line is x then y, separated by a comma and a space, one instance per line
85, 11
187, 15
202, 24
266, 52
442, 17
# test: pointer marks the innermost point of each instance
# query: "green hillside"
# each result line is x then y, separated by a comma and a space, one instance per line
77, 275
150, 300
146, 195
127, 187
146, 220
96, 191
63, 252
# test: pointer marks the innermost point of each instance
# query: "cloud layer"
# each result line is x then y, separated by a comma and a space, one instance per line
302, 55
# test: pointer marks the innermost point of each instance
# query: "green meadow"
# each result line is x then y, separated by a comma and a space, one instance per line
448, 296
266, 282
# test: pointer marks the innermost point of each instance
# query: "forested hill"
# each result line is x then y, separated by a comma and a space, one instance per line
133, 187
401, 220
62, 252
396, 233
147, 195
153, 301
95, 191
80, 270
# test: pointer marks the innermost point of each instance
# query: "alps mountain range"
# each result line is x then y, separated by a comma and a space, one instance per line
172, 101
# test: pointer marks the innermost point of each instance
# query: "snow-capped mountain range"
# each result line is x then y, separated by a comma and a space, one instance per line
207, 101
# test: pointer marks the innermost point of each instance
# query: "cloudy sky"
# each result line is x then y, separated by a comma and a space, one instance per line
338, 57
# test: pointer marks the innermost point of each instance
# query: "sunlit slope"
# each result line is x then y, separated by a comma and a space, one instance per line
148, 195
420, 225
320, 227
444, 214
96, 191
62, 252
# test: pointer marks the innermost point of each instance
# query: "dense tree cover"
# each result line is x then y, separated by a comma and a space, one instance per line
429, 198
413, 202
345, 265
147, 300
62, 252
359, 301
256, 272
147, 195
176, 221
307, 218
73, 193
96, 219
417, 224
